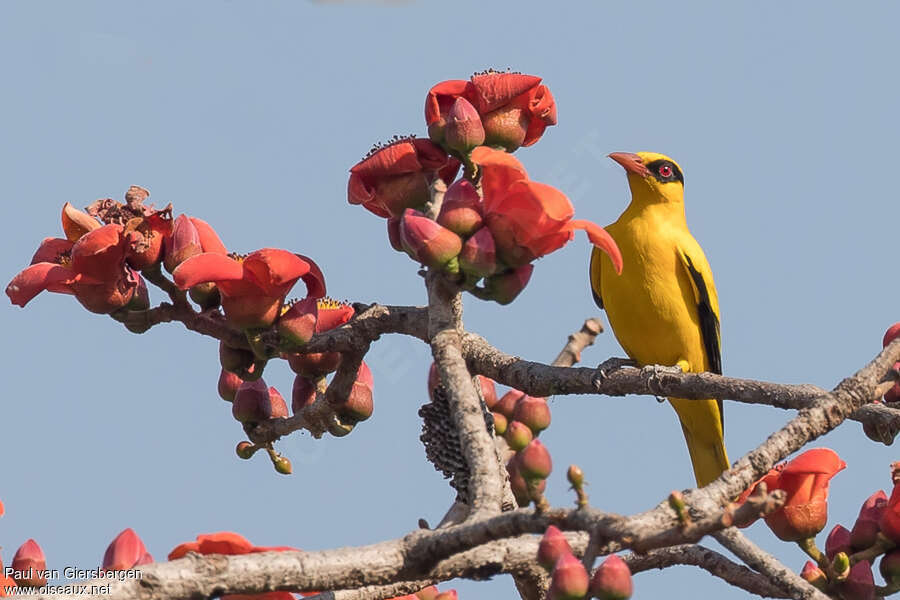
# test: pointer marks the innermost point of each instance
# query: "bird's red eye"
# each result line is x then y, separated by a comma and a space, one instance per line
665, 171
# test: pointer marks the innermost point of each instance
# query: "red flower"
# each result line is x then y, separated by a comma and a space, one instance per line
92, 268
890, 517
805, 479
230, 543
253, 287
125, 552
30, 562
397, 176
514, 108
530, 219
144, 238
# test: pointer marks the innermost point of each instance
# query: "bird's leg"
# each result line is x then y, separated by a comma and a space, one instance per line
610, 365
654, 375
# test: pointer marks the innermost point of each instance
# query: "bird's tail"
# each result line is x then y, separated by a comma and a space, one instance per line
701, 423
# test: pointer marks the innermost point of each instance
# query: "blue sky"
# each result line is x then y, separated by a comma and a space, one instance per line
782, 115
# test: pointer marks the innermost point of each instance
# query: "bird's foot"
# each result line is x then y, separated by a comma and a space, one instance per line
610, 365
654, 375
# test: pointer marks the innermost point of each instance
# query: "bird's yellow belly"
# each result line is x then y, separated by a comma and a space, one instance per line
651, 308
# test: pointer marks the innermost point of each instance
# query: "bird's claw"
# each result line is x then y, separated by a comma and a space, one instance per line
654, 374
610, 365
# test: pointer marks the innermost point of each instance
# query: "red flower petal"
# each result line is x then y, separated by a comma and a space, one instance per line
273, 269
124, 551
314, 280
51, 249
440, 98
818, 460
498, 171
493, 90
37, 278
182, 549
223, 542
399, 157
206, 267
600, 238
209, 239
100, 254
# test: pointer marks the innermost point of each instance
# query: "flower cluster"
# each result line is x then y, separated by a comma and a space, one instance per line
569, 580
107, 248
491, 224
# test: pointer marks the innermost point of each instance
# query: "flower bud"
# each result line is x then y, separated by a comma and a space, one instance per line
282, 465
488, 391
866, 528
553, 546
228, 385
244, 450
28, 563
182, 243
612, 580
235, 360
255, 402
504, 287
124, 552
889, 335
426, 241
500, 423
860, 584
297, 324
534, 461
140, 300
518, 484
461, 209
837, 541
507, 404
814, 576
841, 565
302, 394
478, 256
533, 412
575, 476
358, 405
393, 229
569, 579
464, 130
314, 364
517, 435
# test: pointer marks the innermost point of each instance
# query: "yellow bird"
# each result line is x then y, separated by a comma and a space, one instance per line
663, 308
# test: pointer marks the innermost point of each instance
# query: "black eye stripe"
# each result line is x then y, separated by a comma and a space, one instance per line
676, 172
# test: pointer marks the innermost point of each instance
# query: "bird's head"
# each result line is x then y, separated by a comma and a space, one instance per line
652, 177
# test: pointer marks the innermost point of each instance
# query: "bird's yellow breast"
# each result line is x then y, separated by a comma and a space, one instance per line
651, 305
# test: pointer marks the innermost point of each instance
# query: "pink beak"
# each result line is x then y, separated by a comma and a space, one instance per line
632, 163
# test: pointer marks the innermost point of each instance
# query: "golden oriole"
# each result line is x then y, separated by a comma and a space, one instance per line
663, 308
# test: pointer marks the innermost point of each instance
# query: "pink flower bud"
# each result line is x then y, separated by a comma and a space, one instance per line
504, 287
862, 536
860, 584
461, 210
302, 394
507, 404
358, 406
612, 580
464, 130
533, 412
534, 461
488, 391
517, 435
393, 229
228, 385
518, 484
478, 256
182, 243
889, 335
426, 241
837, 541
28, 564
124, 551
569, 579
814, 575
297, 324
255, 402
553, 545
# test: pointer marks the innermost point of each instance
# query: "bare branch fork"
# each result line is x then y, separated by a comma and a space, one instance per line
488, 542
